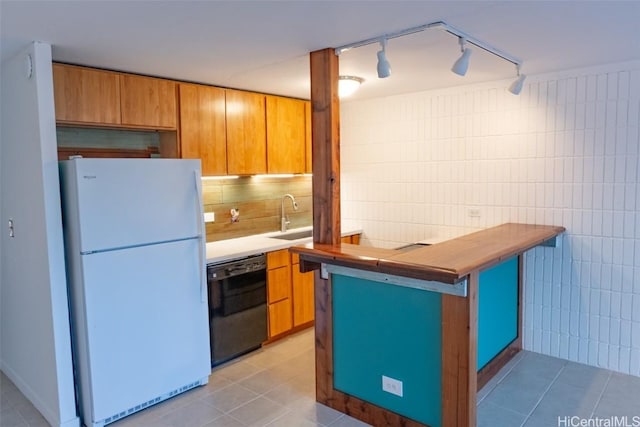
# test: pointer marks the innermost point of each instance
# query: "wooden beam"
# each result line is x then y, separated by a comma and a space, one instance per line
459, 356
325, 147
325, 137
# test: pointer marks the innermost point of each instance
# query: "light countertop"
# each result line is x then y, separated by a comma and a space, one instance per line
230, 249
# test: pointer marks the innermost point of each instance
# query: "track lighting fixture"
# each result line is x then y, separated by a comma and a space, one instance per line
461, 65
516, 86
348, 84
384, 68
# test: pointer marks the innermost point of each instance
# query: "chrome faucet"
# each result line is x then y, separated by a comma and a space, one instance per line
284, 222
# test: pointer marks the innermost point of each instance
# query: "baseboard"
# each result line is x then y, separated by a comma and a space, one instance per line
33, 397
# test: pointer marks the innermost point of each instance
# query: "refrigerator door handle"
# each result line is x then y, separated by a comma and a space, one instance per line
200, 221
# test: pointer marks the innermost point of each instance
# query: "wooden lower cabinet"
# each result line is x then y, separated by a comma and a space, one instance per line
290, 293
279, 292
279, 283
280, 317
303, 309
354, 239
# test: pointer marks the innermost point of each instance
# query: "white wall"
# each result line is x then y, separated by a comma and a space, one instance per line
35, 343
564, 152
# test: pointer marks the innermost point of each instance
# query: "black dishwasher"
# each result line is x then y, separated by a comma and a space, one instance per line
237, 307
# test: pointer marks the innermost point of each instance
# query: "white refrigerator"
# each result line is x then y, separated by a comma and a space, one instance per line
135, 253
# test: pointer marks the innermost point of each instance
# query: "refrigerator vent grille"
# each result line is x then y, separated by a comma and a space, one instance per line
151, 402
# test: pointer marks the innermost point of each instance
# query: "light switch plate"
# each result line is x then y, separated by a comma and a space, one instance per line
209, 217
474, 212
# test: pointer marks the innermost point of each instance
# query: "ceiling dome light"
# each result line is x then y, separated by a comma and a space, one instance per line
384, 67
347, 85
461, 66
516, 87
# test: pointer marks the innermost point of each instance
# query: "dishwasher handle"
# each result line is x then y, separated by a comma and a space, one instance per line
236, 268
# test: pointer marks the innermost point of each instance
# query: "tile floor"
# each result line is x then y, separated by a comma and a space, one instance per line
275, 387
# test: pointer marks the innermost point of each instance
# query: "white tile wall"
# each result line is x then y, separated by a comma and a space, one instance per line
564, 152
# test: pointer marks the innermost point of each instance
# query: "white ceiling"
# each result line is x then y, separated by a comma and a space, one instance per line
264, 45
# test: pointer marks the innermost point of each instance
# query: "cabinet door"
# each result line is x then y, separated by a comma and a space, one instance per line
278, 284
202, 127
84, 95
278, 275
303, 302
354, 239
285, 135
148, 102
278, 258
279, 317
246, 133
308, 146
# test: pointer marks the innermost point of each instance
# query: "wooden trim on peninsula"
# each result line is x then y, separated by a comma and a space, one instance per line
447, 262
459, 356
323, 340
498, 362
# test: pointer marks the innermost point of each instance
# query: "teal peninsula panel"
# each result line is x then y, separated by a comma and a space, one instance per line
497, 309
384, 329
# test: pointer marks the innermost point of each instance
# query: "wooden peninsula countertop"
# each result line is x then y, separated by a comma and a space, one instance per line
448, 262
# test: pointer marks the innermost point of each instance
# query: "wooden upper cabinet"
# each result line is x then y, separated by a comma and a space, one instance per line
246, 133
147, 102
202, 127
286, 135
308, 147
105, 98
84, 95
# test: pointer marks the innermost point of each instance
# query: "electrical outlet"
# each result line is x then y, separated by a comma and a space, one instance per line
392, 386
209, 217
474, 212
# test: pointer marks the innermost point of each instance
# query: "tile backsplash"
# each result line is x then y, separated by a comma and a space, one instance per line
259, 201
106, 138
565, 152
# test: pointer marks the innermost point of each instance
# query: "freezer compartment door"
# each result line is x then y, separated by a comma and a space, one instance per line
146, 330
126, 202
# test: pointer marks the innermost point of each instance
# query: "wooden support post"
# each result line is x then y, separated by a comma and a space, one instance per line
459, 356
325, 137
325, 143
324, 340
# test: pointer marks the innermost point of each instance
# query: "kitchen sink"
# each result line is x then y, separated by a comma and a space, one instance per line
294, 236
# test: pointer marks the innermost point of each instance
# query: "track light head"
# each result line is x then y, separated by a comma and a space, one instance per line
516, 87
384, 67
461, 66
